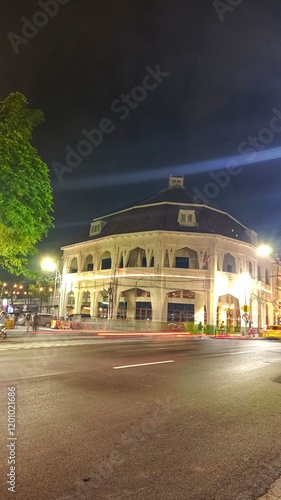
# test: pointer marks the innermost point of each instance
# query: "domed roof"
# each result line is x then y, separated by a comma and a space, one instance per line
168, 210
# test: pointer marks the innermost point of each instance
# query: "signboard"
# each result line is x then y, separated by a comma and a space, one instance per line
246, 317
245, 308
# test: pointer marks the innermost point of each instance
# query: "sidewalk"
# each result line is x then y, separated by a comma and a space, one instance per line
238, 336
20, 333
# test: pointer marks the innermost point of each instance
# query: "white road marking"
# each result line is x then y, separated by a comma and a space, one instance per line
144, 364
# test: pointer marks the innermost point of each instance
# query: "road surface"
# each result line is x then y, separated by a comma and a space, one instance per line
139, 419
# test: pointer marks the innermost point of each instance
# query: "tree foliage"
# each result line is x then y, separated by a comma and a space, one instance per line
42, 290
25, 191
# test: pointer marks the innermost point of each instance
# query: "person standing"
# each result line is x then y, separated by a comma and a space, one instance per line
35, 322
2, 319
28, 322
200, 327
222, 328
3, 333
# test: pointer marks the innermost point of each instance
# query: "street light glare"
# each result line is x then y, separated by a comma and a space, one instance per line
264, 250
48, 264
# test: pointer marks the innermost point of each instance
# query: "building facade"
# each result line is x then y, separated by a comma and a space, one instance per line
167, 259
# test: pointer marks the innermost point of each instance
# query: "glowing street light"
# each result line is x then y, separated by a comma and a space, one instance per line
264, 250
50, 266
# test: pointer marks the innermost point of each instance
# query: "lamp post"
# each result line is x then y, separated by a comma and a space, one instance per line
264, 251
50, 266
112, 294
110, 302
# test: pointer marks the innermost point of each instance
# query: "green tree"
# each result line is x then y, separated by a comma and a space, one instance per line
25, 192
42, 290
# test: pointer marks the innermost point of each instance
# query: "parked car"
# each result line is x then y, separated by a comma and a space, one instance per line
21, 319
44, 319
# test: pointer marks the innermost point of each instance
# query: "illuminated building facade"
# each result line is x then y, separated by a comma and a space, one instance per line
170, 258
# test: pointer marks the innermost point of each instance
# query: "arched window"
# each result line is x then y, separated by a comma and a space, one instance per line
250, 269
137, 258
229, 264
151, 264
106, 261
185, 258
70, 302
267, 281
73, 268
89, 263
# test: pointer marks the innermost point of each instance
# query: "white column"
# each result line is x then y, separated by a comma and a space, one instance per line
94, 304
78, 301
158, 303
199, 308
131, 305
211, 306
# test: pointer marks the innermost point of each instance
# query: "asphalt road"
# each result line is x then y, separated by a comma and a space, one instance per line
194, 420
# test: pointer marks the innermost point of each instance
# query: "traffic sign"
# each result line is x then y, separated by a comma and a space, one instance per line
246, 317
245, 308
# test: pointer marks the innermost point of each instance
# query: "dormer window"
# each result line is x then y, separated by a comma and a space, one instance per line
187, 218
176, 181
97, 227
253, 237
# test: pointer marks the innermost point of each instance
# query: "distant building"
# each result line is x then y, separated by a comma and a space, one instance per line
170, 258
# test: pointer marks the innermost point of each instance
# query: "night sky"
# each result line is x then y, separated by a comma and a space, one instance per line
220, 85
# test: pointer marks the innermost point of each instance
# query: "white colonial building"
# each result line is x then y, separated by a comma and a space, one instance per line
170, 258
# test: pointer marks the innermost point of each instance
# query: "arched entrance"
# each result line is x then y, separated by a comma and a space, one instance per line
103, 304
228, 312
181, 306
86, 303
137, 304
70, 303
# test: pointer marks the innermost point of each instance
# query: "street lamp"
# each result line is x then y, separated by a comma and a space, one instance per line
50, 266
264, 250
110, 302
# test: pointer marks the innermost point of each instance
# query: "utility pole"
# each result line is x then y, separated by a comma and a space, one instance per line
112, 294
